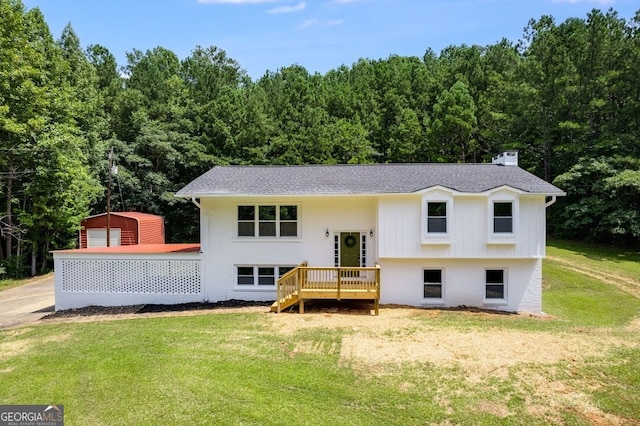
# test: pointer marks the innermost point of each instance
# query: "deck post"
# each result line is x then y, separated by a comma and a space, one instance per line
377, 279
278, 287
339, 282
301, 305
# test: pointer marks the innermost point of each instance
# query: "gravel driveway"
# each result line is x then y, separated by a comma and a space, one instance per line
27, 303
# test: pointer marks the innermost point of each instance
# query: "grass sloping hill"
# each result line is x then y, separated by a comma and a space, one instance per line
579, 366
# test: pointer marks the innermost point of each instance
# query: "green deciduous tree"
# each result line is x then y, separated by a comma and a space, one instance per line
603, 201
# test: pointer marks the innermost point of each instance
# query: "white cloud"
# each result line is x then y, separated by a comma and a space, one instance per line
235, 1
601, 2
288, 9
316, 23
309, 23
334, 23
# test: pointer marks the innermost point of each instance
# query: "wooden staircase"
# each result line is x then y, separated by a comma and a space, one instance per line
306, 283
286, 302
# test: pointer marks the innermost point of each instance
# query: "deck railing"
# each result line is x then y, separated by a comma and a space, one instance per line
288, 284
331, 279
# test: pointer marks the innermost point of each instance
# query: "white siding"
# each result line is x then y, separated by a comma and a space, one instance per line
223, 250
399, 245
401, 221
464, 283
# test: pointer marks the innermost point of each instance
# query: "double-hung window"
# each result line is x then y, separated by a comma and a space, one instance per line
495, 284
502, 217
436, 217
432, 283
437, 220
246, 221
268, 221
503, 209
288, 221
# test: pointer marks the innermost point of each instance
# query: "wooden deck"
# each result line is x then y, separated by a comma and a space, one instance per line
305, 282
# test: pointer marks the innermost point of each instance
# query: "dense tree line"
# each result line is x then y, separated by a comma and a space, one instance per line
566, 95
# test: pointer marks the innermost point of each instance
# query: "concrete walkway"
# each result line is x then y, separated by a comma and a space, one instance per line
28, 303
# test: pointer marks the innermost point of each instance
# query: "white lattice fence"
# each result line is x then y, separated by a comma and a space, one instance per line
160, 279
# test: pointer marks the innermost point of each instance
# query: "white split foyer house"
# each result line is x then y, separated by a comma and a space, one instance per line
439, 235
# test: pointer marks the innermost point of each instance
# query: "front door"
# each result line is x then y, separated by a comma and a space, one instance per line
350, 249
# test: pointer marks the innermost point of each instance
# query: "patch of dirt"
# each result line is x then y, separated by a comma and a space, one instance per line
18, 331
18, 347
497, 409
15, 348
401, 335
376, 345
546, 399
313, 347
634, 325
478, 352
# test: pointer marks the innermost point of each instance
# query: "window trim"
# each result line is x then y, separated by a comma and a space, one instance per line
445, 217
498, 217
257, 222
437, 237
505, 280
256, 286
503, 237
434, 300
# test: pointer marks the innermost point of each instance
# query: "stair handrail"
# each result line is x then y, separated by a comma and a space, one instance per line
281, 285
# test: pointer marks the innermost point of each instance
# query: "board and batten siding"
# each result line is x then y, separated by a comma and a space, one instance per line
224, 250
402, 221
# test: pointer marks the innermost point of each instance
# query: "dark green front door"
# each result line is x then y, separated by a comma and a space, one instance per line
350, 249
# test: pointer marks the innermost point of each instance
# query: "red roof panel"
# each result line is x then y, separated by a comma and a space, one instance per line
139, 249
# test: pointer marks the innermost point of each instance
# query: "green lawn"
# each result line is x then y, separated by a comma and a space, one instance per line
624, 262
6, 284
238, 369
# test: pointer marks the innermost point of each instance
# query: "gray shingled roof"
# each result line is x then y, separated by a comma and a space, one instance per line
362, 179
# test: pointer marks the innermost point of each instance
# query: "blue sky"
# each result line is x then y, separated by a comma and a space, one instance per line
317, 34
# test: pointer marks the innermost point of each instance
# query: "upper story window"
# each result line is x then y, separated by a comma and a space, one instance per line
268, 221
502, 217
246, 221
436, 217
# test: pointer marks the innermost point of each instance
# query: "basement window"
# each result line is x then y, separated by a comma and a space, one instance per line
432, 283
495, 284
260, 276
